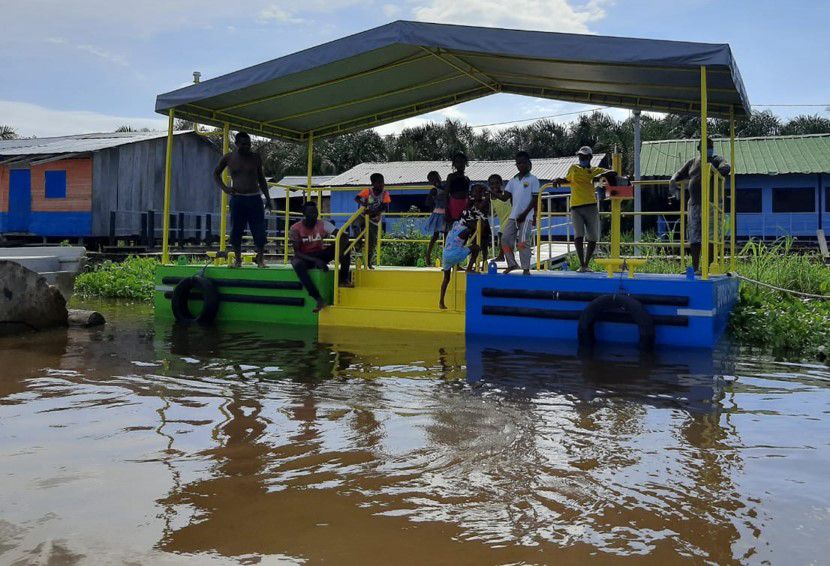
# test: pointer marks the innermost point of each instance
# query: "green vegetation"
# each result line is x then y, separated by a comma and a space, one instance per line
131, 279
407, 254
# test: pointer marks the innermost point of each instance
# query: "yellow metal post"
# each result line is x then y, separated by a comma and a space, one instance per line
539, 231
683, 226
733, 226
616, 216
168, 180
286, 226
705, 176
309, 165
223, 207
379, 238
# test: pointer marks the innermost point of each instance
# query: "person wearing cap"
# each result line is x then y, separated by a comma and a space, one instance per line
691, 172
584, 209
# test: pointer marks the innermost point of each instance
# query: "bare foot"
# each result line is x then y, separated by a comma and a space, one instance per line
348, 284
260, 260
442, 306
321, 304
510, 268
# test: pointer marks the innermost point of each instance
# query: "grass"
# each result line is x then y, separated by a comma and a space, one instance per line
131, 279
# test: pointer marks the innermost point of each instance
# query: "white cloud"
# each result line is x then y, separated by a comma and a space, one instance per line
91, 49
34, 120
540, 15
391, 10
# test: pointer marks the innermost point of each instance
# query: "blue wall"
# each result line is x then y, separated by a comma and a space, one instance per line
55, 223
770, 224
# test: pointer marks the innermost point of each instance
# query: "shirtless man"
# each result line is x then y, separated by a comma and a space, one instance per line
248, 185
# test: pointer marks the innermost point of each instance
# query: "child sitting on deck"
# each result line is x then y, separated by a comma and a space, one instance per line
456, 250
376, 200
437, 199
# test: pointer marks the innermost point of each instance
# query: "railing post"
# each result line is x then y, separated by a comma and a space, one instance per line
379, 238
208, 228
197, 235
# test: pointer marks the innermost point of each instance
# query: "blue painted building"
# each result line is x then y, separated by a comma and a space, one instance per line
107, 184
783, 182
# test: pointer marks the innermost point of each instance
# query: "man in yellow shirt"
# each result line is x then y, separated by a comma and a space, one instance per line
584, 210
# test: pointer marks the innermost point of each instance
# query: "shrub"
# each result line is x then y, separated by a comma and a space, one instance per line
131, 279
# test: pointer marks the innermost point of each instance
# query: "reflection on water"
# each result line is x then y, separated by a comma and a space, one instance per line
146, 443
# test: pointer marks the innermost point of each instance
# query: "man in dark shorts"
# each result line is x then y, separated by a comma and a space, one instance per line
248, 186
311, 252
691, 172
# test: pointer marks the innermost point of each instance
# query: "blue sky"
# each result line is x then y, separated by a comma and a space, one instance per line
91, 65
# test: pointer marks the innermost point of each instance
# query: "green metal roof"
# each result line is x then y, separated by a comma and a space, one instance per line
775, 155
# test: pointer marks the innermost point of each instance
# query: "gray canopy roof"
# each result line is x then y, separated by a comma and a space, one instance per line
409, 68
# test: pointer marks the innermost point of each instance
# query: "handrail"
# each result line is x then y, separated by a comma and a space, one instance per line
357, 214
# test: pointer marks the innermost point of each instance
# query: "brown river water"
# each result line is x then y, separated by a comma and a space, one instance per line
143, 443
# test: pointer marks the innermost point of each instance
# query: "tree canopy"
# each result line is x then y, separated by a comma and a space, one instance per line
543, 138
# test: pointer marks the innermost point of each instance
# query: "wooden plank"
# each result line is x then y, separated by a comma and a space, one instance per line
822, 244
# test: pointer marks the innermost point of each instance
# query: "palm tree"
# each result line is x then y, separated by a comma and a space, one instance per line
8, 133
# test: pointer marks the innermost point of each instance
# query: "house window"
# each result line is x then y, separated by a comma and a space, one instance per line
56, 184
748, 201
801, 199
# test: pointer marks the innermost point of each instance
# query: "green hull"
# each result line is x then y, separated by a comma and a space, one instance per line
245, 293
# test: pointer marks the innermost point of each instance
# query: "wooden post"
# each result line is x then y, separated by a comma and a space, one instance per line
112, 227
180, 226
143, 239
151, 229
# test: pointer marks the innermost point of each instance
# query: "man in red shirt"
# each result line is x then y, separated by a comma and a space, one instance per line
311, 252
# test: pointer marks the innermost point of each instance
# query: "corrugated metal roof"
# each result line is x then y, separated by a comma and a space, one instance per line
775, 155
82, 143
415, 172
300, 181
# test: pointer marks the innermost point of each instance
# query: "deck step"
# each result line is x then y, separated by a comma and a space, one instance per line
387, 317
418, 298
416, 279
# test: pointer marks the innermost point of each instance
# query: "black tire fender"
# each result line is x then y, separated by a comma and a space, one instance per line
181, 297
590, 316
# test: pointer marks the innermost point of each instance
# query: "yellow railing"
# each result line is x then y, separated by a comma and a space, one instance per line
337, 253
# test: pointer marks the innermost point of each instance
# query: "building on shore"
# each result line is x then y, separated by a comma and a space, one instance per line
107, 185
783, 182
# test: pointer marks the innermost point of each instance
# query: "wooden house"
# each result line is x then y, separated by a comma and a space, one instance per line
107, 185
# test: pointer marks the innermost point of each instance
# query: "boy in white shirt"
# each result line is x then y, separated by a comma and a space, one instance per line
516, 235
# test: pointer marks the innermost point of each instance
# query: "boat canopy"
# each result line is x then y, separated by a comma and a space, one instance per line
407, 68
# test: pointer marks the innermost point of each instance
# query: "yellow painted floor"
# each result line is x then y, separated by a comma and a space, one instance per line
399, 299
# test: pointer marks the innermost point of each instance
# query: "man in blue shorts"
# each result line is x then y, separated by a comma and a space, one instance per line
456, 250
